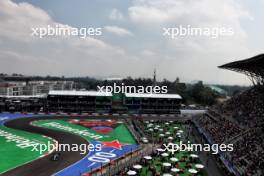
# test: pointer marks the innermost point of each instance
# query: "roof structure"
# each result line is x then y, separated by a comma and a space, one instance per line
79, 93
217, 89
252, 67
146, 95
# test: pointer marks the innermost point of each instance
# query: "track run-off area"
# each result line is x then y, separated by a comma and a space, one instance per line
113, 136
16, 146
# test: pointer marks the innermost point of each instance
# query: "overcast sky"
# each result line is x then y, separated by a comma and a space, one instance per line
132, 41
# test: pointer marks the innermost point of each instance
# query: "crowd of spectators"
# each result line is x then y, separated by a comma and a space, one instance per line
240, 121
248, 153
247, 107
219, 129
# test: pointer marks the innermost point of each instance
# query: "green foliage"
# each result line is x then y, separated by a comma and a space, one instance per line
191, 93
202, 94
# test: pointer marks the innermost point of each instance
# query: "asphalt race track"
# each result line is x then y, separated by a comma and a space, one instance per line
44, 166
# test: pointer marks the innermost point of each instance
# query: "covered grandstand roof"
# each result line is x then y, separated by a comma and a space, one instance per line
80, 93
252, 67
217, 89
146, 95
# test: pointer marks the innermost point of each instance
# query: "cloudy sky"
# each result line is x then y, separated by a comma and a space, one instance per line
132, 41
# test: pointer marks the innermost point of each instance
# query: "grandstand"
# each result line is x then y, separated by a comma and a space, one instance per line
91, 101
240, 121
247, 107
252, 67
78, 101
153, 103
27, 103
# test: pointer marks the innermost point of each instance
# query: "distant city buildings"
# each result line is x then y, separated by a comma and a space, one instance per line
33, 87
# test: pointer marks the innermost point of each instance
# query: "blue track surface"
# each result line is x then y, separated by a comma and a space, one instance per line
9, 116
102, 157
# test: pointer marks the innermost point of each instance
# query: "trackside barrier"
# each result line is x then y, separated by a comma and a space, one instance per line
115, 166
226, 162
106, 168
134, 133
96, 114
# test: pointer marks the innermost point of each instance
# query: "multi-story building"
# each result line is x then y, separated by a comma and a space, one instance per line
153, 103
41, 87
12, 88
92, 101
33, 87
79, 101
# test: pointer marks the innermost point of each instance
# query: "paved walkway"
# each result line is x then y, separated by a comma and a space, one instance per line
206, 158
